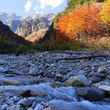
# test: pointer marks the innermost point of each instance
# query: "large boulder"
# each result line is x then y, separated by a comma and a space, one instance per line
105, 88
79, 80
90, 93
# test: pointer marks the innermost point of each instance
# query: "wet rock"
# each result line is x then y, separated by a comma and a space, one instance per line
79, 80
90, 93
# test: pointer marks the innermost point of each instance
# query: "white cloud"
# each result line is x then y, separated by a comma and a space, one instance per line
28, 5
52, 3
35, 8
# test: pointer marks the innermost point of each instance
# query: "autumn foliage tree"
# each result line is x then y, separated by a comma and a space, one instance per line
105, 17
81, 23
105, 12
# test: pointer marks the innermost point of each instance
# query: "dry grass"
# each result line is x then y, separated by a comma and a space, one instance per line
102, 44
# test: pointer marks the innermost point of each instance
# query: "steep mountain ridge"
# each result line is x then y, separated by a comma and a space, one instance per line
7, 35
6, 18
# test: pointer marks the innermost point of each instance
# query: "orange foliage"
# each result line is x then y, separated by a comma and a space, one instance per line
84, 20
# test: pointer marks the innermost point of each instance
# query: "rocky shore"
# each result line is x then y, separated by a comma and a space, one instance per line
56, 80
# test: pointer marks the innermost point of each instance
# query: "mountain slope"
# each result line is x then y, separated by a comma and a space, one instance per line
36, 36
7, 35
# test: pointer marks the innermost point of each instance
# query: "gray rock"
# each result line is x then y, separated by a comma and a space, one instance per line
90, 93
84, 105
68, 91
25, 102
35, 70
42, 90
15, 107
102, 69
2, 62
3, 70
96, 79
4, 107
10, 101
39, 107
102, 75
29, 109
16, 99
79, 80
105, 88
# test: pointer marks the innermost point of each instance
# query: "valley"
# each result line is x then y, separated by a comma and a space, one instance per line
55, 61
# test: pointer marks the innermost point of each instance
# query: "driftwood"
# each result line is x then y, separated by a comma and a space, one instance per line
85, 57
68, 52
76, 52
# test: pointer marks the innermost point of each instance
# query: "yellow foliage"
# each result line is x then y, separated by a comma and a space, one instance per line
105, 12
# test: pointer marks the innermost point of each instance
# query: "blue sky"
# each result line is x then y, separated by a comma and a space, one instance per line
27, 7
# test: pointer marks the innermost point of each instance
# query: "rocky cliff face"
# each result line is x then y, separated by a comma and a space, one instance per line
14, 25
49, 35
36, 36
34, 23
8, 35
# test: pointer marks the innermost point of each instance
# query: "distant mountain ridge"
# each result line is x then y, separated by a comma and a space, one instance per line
24, 26
10, 19
34, 23
6, 18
